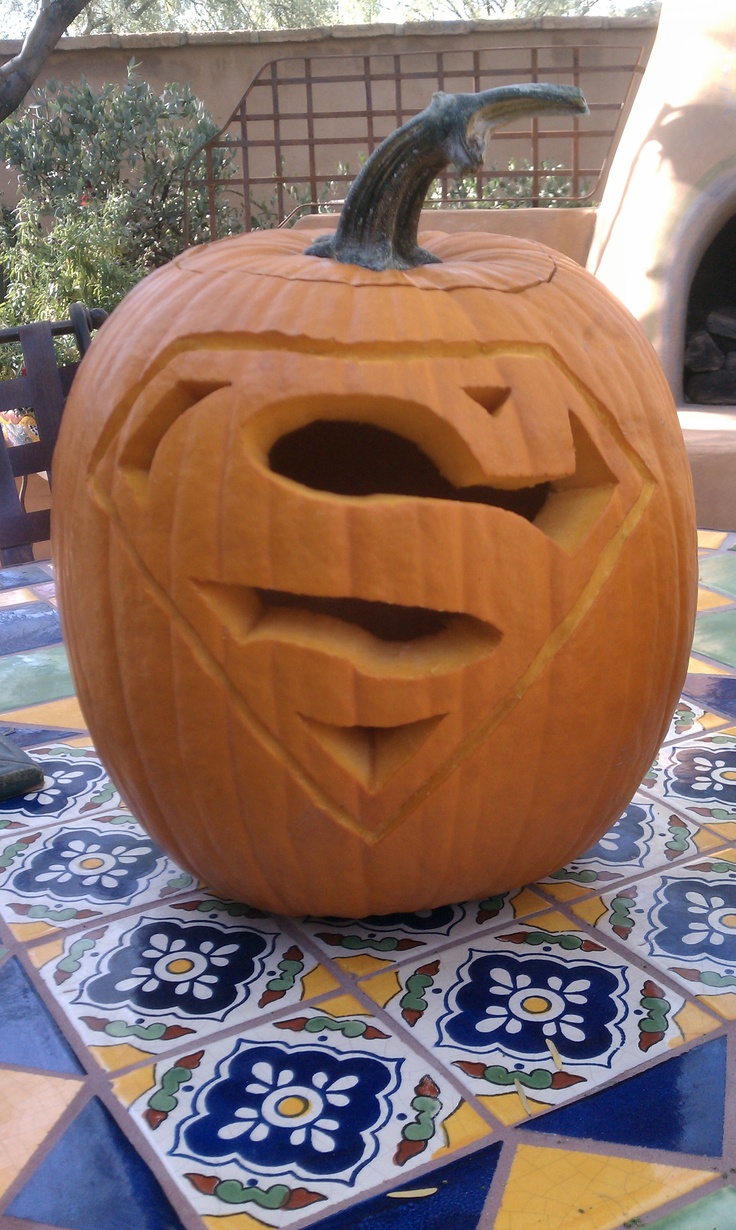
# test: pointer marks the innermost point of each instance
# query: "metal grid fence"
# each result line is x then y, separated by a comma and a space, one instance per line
305, 125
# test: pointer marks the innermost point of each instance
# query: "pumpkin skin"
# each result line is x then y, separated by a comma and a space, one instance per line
360, 699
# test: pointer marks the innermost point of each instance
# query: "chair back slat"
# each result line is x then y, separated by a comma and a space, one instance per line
41, 389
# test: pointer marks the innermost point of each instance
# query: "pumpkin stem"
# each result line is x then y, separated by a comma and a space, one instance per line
380, 218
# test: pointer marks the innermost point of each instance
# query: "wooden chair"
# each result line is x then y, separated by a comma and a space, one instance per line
43, 388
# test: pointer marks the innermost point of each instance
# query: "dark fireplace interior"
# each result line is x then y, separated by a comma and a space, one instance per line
710, 341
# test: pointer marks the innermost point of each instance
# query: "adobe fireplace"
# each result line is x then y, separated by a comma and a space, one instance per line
665, 232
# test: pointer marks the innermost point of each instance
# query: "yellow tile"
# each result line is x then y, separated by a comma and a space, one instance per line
359, 967
692, 1023
726, 831
461, 1128
553, 1189
707, 599
318, 982
344, 1005
591, 911
41, 954
14, 597
724, 1005
509, 1108
30, 1105
564, 890
51, 713
134, 1084
696, 667
709, 721
527, 902
706, 839
555, 921
710, 540
729, 854
31, 931
383, 987
120, 1056
235, 1221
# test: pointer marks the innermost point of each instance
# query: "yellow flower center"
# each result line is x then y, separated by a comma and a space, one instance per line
536, 1004
292, 1107
91, 864
181, 966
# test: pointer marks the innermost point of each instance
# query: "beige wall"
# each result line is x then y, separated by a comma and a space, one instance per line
219, 67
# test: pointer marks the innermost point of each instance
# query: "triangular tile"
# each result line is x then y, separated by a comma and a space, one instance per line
714, 1212
29, 1036
32, 736
713, 692
93, 1178
30, 1105
452, 1196
557, 1189
677, 1105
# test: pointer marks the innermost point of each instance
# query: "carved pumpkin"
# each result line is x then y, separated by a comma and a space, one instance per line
377, 583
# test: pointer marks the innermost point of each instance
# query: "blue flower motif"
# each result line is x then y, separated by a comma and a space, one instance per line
704, 773
522, 1004
196, 969
695, 917
278, 1109
65, 780
621, 843
89, 865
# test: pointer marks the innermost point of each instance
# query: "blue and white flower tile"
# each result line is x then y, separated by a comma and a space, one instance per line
63, 875
647, 835
383, 936
177, 972
690, 718
75, 785
699, 776
682, 921
298, 1115
557, 1056
532, 1017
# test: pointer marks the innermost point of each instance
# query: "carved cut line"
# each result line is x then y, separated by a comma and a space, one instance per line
374, 635
192, 638
372, 754
140, 448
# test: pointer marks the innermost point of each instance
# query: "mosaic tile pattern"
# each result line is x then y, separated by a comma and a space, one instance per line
555, 1057
531, 1017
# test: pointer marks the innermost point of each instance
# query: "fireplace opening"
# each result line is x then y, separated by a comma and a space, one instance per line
710, 337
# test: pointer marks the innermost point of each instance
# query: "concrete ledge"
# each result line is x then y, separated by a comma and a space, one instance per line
163, 39
710, 440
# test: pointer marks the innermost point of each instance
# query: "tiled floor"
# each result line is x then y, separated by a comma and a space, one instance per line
559, 1057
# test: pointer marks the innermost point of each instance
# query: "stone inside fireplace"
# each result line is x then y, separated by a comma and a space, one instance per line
709, 376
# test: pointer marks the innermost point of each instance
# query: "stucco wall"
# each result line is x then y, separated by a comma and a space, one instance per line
219, 67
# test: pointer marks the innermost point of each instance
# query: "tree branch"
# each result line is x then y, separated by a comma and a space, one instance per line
18, 74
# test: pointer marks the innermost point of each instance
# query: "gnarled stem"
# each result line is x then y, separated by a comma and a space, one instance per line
380, 218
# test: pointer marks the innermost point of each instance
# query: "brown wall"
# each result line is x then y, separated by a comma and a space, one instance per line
219, 67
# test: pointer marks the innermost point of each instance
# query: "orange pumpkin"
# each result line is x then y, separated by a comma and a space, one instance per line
377, 583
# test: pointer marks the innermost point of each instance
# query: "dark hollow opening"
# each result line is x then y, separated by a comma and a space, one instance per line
355, 459
710, 336
381, 619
